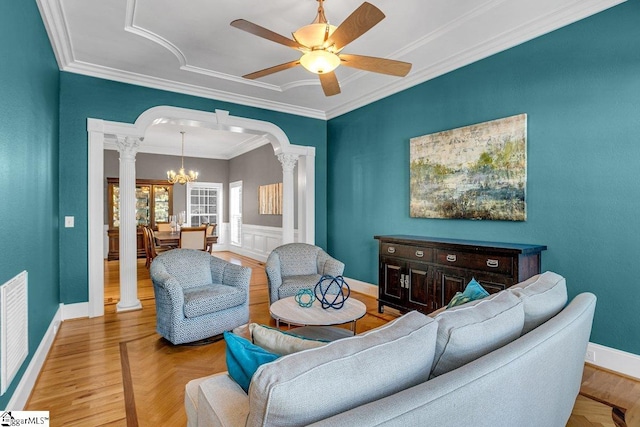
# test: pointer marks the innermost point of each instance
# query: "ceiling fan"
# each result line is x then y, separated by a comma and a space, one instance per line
321, 45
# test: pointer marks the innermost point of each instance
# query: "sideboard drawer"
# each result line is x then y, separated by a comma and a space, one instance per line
405, 251
483, 262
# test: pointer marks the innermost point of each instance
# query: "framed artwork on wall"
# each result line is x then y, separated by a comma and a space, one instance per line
473, 172
270, 199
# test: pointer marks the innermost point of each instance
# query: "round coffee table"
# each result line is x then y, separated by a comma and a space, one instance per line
287, 310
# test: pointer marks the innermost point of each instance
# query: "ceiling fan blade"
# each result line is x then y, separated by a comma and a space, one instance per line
377, 65
272, 70
330, 84
359, 22
259, 31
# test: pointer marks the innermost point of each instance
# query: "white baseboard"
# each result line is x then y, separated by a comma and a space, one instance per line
25, 386
362, 287
74, 311
614, 360
248, 253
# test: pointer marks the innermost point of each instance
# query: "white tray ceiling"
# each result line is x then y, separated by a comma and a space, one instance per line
189, 46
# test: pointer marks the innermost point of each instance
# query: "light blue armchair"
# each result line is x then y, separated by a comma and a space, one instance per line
197, 295
296, 266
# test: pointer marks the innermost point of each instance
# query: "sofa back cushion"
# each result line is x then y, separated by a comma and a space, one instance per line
315, 384
474, 329
543, 296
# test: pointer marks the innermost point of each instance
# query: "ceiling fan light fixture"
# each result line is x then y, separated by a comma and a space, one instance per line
320, 61
313, 35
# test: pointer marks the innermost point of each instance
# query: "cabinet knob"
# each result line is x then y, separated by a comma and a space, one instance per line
391, 250
419, 254
451, 258
493, 263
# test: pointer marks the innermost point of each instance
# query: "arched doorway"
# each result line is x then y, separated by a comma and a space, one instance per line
102, 133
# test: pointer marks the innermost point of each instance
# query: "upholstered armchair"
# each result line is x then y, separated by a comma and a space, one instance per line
296, 266
198, 295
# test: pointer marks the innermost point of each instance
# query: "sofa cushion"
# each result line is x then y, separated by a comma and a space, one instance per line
318, 383
473, 291
474, 329
207, 299
543, 296
243, 358
281, 342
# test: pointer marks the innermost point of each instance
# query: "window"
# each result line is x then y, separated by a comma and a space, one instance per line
235, 212
204, 203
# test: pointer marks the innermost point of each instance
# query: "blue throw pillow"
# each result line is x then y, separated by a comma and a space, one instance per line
472, 292
244, 358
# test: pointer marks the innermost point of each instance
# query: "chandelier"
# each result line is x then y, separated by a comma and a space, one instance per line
181, 177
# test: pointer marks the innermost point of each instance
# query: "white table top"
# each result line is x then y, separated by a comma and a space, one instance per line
287, 310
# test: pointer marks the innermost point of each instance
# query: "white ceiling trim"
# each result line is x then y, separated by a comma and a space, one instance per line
107, 73
145, 147
140, 31
56, 27
553, 20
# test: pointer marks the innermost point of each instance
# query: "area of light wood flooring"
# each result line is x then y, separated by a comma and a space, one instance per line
117, 371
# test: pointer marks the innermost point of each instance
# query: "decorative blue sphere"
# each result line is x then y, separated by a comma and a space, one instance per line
305, 298
330, 291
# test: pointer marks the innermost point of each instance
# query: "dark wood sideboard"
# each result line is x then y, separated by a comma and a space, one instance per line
424, 273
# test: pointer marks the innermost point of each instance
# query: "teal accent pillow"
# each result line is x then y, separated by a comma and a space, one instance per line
244, 358
472, 292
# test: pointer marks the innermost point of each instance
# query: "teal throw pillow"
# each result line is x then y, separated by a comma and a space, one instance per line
472, 292
244, 358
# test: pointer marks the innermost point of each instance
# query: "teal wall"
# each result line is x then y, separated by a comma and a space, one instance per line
84, 97
580, 87
29, 164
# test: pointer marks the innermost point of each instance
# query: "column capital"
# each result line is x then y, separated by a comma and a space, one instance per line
128, 147
288, 161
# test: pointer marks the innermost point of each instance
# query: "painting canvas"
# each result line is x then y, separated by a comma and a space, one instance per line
270, 199
473, 172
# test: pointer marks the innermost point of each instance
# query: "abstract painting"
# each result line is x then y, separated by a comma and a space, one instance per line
270, 199
474, 172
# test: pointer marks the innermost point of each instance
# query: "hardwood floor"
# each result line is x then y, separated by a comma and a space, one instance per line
117, 371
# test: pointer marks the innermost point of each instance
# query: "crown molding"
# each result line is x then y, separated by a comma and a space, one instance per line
79, 67
53, 17
553, 20
54, 23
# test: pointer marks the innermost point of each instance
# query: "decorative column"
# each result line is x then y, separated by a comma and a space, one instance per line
288, 161
128, 147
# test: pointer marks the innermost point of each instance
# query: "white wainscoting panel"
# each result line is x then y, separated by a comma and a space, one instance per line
258, 241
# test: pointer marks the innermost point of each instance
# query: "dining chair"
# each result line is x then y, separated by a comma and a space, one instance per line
164, 226
193, 238
146, 243
211, 228
150, 248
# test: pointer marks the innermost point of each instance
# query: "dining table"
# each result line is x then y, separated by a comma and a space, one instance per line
167, 239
